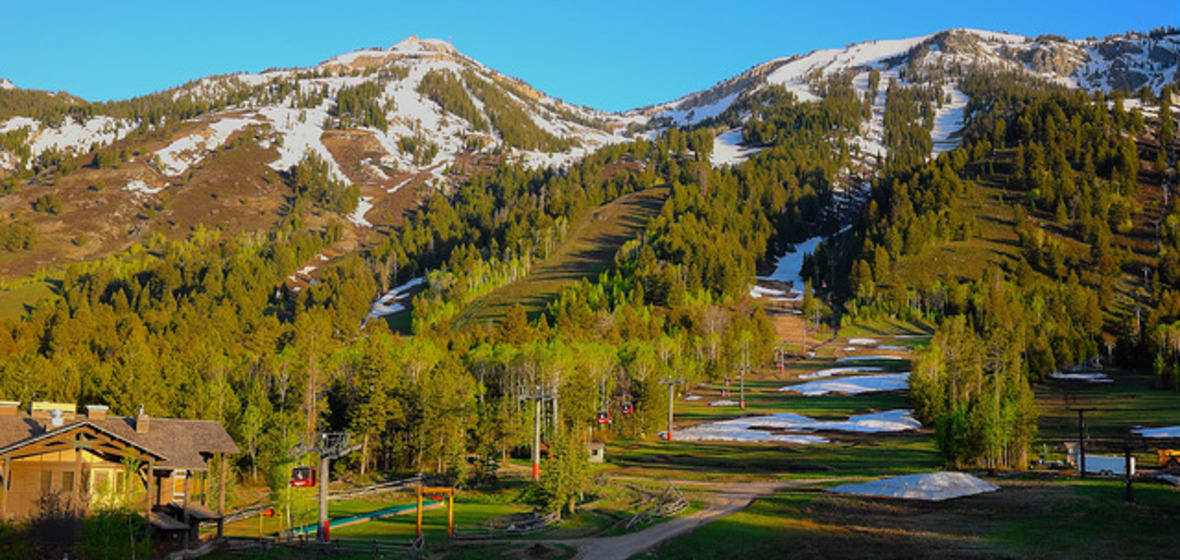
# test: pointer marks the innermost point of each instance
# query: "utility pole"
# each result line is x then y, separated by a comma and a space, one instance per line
1082, 439
671, 383
329, 445
538, 397
745, 365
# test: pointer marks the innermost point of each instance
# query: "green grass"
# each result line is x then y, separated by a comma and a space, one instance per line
1023, 520
588, 250
1128, 402
471, 511
18, 297
886, 326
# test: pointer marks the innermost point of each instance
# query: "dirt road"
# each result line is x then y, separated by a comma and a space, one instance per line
721, 499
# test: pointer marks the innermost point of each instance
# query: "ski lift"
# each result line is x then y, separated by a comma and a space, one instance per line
628, 408
728, 382
603, 417
303, 477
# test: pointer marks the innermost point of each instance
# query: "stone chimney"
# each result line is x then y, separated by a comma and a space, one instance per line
96, 412
142, 422
9, 408
42, 410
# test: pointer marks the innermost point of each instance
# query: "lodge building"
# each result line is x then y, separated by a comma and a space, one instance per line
162, 464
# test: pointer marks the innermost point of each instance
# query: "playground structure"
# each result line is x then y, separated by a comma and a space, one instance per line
438, 492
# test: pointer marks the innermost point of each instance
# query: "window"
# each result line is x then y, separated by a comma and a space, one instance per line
67, 481
46, 482
100, 482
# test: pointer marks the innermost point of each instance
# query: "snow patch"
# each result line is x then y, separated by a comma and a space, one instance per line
770, 428
725, 402
727, 149
358, 216
789, 267
138, 186
934, 487
392, 302
179, 156
851, 385
1168, 432
837, 371
867, 358
863, 341
1087, 377
948, 122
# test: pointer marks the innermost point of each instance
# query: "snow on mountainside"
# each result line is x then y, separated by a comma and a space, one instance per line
397, 123
277, 102
1125, 62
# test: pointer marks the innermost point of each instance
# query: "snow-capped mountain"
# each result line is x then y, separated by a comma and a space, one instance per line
420, 115
1125, 62
295, 108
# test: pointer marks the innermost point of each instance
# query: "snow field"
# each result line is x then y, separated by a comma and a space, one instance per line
1167, 432
851, 385
392, 301
177, 157
933, 487
727, 149
1087, 377
867, 358
138, 186
769, 428
837, 371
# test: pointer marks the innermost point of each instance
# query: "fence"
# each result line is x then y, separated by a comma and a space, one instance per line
671, 502
535, 524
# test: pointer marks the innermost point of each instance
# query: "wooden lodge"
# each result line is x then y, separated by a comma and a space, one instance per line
162, 464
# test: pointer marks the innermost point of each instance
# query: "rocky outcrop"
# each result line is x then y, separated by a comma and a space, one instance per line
1058, 59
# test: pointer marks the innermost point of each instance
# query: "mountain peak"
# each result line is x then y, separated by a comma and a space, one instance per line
410, 46
7, 84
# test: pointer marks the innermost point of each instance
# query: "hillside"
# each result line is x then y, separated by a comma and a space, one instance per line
396, 123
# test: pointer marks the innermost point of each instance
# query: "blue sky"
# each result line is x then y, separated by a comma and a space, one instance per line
607, 54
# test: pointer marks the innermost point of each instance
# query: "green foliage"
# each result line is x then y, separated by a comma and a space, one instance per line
566, 476
972, 387
312, 179
17, 236
510, 118
447, 90
361, 105
48, 204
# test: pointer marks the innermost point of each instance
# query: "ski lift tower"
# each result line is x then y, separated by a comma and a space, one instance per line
329, 445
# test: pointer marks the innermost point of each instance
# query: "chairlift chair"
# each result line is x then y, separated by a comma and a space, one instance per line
603, 417
303, 477
628, 408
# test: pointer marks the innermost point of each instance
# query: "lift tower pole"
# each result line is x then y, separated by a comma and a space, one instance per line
538, 397
671, 383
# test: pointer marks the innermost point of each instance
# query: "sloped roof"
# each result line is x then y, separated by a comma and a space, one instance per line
179, 442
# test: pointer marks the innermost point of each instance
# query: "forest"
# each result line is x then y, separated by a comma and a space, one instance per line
206, 328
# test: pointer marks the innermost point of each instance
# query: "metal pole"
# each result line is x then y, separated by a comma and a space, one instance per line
537, 439
1082, 443
323, 528
742, 375
1130, 493
671, 407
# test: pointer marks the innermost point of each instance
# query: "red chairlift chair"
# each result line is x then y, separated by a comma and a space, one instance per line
303, 477
603, 417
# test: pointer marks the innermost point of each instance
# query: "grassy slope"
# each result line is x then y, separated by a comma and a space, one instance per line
590, 245
1022, 520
